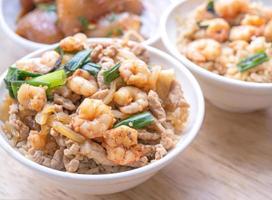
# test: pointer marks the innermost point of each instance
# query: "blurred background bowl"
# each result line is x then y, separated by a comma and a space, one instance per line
225, 93
9, 10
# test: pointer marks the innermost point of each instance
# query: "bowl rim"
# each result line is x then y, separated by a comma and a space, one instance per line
197, 122
36, 45
194, 67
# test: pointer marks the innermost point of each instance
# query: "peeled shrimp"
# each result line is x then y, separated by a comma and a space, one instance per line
82, 83
203, 50
39, 65
38, 139
257, 45
73, 43
231, 8
31, 97
245, 32
135, 72
218, 29
253, 20
268, 31
121, 145
93, 118
131, 99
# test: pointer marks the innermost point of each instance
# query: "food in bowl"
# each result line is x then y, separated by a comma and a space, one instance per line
230, 38
48, 21
93, 108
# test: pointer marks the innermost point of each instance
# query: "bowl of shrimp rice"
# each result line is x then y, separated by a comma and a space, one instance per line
228, 47
98, 115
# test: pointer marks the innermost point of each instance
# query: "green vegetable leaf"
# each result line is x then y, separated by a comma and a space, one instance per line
77, 61
210, 7
84, 22
15, 85
92, 68
48, 7
15, 74
112, 17
252, 61
59, 51
52, 80
112, 73
114, 32
137, 121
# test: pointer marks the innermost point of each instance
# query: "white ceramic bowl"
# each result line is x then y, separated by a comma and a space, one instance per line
109, 183
10, 9
228, 94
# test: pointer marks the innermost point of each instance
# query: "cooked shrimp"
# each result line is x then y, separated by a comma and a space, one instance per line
38, 139
50, 58
257, 45
73, 43
39, 65
121, 145
121, 136
253, 20
231, 8
31, 97
201, 13
82, 83
93, 118
135, 72
245, 32
239, 45
268, 31
203, 50
218, 29
131, 99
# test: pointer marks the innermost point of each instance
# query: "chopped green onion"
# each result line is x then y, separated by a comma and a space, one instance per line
48, 7
112, 73
114, 32
252, 61
92, 68
59, 50
210, 7
84, 22
52, 80
137, 121
15, 85
77, 61
15, 74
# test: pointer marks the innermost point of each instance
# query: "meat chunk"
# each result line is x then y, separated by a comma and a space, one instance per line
39, 26
175, 97
96, 152
66, 103
147, 136
69, 11
155, 106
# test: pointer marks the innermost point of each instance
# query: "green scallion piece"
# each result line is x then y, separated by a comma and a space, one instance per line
92, 68
15, 85
84, 22
210, 7
137, 121
48, 7
15, 74
52, 80
112, 73
77, 61
252, 61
